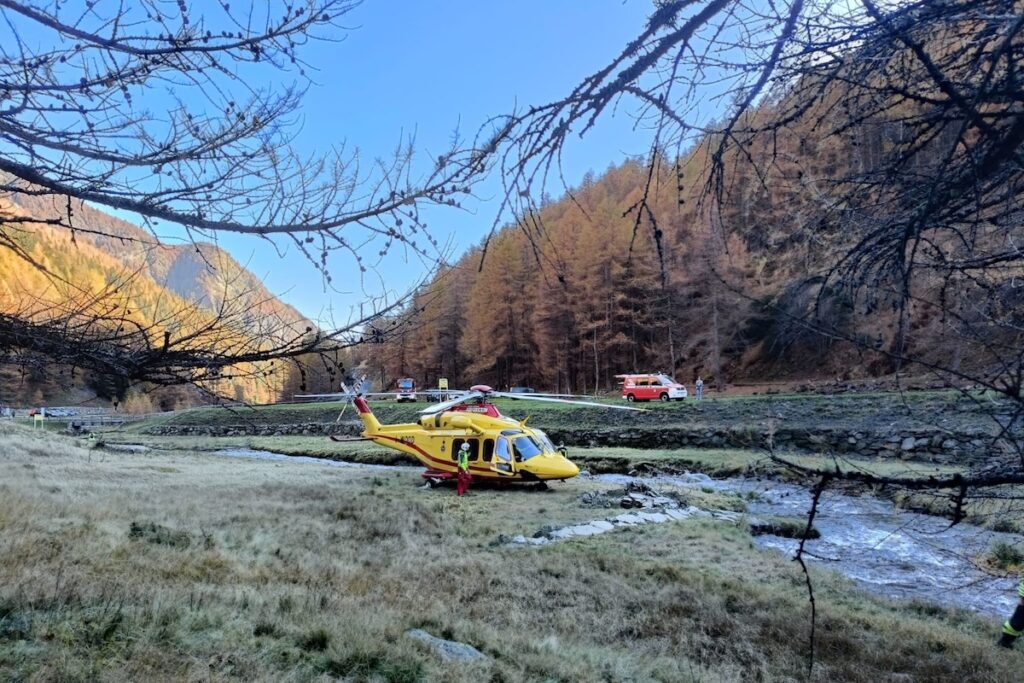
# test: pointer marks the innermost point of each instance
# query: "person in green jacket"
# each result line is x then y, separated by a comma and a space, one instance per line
464, 477
1014, 626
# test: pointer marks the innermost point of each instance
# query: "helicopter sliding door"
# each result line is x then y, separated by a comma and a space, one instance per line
502, 463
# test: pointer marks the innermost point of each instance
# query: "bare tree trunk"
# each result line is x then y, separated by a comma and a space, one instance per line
597, 369
671, 350
716, 351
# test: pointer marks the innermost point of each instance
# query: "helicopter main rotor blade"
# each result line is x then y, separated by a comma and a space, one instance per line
338, 395
441, 407
534, 397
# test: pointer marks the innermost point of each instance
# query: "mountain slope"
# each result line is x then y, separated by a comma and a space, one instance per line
112, 270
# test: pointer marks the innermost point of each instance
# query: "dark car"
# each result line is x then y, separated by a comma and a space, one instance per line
522, 390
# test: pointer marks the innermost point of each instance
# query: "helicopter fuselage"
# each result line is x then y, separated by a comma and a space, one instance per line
501, 448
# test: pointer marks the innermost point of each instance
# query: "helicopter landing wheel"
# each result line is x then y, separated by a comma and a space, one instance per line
434, 482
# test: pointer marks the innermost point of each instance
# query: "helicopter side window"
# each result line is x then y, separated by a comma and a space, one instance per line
525, 448
474, 448
501, 450
488, 449
503, 454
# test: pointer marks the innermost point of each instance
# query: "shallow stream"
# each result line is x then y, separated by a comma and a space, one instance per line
885, 550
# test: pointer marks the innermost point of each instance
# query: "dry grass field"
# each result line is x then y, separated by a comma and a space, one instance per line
174, 565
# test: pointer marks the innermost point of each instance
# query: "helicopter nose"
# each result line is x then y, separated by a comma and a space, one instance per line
571, 469
561, 468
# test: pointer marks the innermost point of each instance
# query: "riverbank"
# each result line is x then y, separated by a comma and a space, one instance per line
173, 565
718, 462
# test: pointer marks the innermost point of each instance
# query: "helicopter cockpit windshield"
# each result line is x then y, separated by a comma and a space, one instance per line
544, 441
525, 448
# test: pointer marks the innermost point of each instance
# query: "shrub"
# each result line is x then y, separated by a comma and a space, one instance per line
266, 628
1006, 556
316, 640
159, 534
372, 665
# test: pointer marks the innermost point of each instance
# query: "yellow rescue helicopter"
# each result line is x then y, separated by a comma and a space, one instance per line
501, 449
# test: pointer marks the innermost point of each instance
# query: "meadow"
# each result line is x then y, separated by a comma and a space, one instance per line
182, 565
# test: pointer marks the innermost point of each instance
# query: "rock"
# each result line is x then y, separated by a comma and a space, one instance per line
908, 444
785, 528
949, 445
727, 515
585, 530
595, 499
447, 650
561, 534
628, 519
631, 501
656, 517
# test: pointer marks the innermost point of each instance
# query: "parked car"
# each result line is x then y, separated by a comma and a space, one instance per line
651, 387
522, 390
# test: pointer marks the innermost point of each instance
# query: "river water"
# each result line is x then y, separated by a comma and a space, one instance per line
898, 554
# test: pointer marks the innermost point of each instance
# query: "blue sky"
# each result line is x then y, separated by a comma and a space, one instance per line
430, 67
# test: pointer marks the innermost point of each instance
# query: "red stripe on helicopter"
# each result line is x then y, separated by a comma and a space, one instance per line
428, 456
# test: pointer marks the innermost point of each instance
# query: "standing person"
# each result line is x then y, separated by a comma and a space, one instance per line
699, 387
464, 478
1014, 626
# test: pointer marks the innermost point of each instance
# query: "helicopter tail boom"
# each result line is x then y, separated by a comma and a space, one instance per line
370, 421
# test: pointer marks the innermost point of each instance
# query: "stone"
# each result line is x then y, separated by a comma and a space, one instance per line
656, 517
726, 515
447, 650
561, 534
628, 519
949, 445
908, 444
